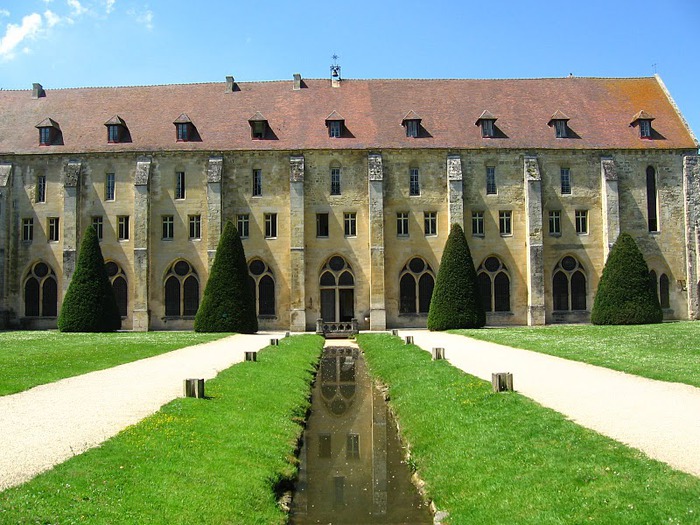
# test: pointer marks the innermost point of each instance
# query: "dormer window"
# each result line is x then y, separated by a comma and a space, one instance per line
184, 129
258, 126
49, 132
643, 120
412, 124
560, 123
335, 124
487, 122
117, 130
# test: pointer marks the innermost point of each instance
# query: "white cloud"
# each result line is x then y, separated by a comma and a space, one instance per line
144, 17
77, 8
4, 12
51, 18
16, 34
109, 5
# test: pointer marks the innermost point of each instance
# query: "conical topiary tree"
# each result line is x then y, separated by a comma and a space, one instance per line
456, 301
228, 304
624, 295
89, 305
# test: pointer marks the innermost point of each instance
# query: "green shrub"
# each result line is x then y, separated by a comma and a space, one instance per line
456, 301
624, 295
89, 305
228, 304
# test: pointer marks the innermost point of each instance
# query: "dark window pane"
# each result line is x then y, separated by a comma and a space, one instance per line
346, 279
112, 269
49, 298
191, 291
172, 296
425, 292
578, 291
568, 263
346, 302
407, 292
417, 265
267, 296
181, 268
31, 297
653, 283
664, 291
327, 279
120, 294
336, 263
501, 293
485, 289
560, 291
492, 264
257, 267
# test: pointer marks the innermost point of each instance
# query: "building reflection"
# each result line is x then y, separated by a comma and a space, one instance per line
352, 468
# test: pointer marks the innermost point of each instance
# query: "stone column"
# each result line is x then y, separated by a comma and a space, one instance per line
534, 242
214, 173
377, 305
691, 190
70, 219
5, 200
380, 479
297, 300
455, 191
610, 203
141, 259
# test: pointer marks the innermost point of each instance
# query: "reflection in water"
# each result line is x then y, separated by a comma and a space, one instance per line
352, 469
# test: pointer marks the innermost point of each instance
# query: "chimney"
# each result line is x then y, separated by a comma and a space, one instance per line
297, 81
38, 91
229, 84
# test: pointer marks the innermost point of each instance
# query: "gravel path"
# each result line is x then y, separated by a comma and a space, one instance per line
48, 424
659, 418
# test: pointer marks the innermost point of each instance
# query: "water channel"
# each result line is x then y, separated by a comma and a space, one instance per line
352, 466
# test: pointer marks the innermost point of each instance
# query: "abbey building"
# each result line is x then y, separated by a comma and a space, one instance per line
344, 192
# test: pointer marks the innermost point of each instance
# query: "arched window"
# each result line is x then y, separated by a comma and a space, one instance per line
41, 292
262, 282
654, 283
337, 283
416, 284
181, 290
494, 285
652, 205
569, 285
664, 288
118, 279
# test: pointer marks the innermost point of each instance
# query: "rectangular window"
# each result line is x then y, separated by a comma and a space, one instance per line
195, 226
555, 222
183, 131
45, 136
565, 181
335, 181
180, 185
270, 225
41, 188
324, 445
352, 450
414, 182
243, 225
53, 229
98, 225
113, 133
491, 180
581, 221
645, 129
168, 227
321, 225
334, 128
109, 187
487, 128
402, 224
28, 230
560, 128
430, 222
350, 220
257, 183
505, 222
123, 227
412, 128
478, 223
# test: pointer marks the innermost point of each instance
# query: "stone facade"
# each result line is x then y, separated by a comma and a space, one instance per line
358, 231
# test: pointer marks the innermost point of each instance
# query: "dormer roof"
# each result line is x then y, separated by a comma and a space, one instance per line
558, 115
485, 115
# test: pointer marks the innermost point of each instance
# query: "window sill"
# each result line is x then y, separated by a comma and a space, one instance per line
555, 234
506, 234
478, 235
267, 317
197, 239
418, 315
270, 238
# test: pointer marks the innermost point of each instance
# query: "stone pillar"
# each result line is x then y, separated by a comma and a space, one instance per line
70, 219
380, 479
214, 173
455, 191
611, 204
377, 305
5, 200
534, 242
297, 302
141, 259
691, 190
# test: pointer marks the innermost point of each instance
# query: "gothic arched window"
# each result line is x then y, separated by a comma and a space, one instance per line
181, 290
41, 292
262, 282
569, 285
118, 279
416, 283
494, 284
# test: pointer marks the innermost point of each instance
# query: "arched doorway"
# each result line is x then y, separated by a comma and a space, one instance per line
337, 283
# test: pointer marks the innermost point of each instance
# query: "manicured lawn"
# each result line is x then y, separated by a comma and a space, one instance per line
215, 460
501, 458
31, 358
667, 351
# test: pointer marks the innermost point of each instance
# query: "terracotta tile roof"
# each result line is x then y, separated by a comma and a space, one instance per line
599, 110
642, 115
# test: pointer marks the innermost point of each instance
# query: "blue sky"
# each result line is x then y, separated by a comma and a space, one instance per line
73, 43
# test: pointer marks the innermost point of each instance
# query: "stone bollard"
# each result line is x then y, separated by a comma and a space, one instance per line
274, 342
395, 332
286, 334
409, 339
251, 356
193, 388
438, 353
502, 382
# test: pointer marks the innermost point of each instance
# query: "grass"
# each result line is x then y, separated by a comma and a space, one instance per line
31, 358
497, 458
215, 460
668, 351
